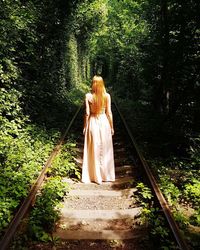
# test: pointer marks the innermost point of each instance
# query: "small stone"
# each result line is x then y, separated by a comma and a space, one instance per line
83, 222
63, 226
92, 244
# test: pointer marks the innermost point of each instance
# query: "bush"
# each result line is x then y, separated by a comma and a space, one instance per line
45, 212
192, 192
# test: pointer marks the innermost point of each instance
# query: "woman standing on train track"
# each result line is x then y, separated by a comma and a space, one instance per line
98, 159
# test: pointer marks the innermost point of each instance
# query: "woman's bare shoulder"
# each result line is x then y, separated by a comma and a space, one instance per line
107, 95
88, 96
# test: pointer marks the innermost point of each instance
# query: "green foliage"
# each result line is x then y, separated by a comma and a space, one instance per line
145, 49
7, 205
73, 57
192, 192
149, 52
32, 87
159, 230
195, 218
32, 57
144, 194
179, 183
182, 220
150, 215
170, 58
45, 212
76, 94
22, 158
194, 150
171, 192
63, 165
23, 150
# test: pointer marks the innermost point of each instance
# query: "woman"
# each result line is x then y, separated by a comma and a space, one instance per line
98, 159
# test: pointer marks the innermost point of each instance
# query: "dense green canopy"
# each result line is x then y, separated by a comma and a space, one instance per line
147, 50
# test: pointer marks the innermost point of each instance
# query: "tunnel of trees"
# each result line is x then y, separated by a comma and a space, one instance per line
148, 53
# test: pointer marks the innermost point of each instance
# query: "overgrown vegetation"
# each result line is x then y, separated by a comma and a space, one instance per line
34, 93
24, 147
64, 165
181, 189
159, 230
176, 167
147, 51
46, 210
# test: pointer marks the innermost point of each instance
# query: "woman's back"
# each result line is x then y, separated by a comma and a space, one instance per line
92, 104
98, 159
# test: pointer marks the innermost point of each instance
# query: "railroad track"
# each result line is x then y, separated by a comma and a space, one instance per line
108, 211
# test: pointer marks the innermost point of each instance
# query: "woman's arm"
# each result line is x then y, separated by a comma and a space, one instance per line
109, 113
87, 113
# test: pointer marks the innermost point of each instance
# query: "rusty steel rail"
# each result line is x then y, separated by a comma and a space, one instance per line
12, 228
162, 201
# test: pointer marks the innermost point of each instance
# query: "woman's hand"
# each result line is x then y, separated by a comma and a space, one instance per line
84, 131
112, 131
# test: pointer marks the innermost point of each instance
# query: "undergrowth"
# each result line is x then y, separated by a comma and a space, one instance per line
174, 157
160, 234
24, 147
63, 164
46, 210
181, 189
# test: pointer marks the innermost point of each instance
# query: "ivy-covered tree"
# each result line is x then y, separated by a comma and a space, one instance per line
32, 92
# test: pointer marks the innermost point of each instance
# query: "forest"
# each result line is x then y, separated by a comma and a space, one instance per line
147, 51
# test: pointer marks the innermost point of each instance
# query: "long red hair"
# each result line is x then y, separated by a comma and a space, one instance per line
99, 93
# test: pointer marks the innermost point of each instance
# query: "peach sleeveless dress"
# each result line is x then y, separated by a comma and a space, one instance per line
98, 159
